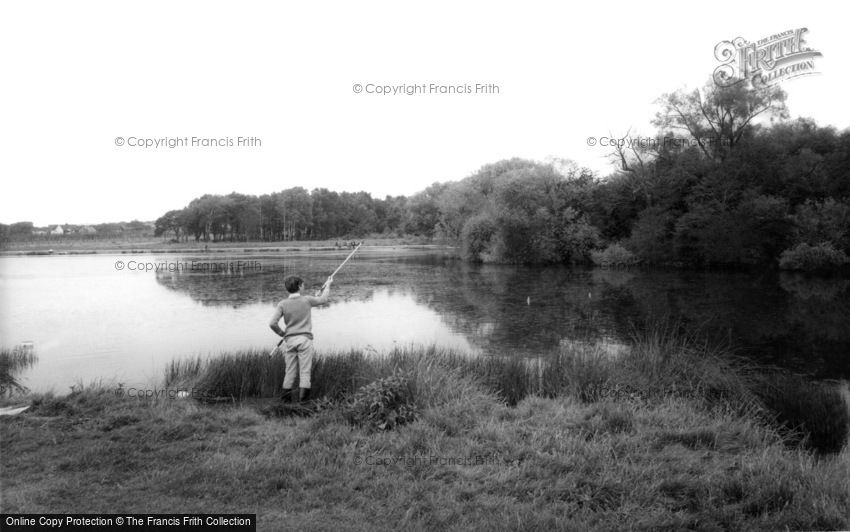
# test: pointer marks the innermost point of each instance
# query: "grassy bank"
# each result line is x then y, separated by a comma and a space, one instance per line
667, 436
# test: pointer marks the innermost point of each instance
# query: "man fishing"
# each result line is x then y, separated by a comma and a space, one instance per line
298, 335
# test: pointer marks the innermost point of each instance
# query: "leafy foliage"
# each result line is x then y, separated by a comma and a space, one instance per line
384, 404
614, 255
820, 257
519, 211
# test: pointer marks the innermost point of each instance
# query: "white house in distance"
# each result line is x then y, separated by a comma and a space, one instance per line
57, 230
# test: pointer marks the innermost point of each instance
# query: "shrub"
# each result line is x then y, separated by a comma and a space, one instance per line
476, 235
384, 404
50, 405
613, 255
827, 220
820, 257
652, 235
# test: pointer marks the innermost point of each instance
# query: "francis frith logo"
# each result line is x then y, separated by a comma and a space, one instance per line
764, 62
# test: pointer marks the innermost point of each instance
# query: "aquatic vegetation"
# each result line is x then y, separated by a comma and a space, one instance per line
12, 361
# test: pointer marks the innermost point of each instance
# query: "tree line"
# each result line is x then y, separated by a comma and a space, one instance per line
291, 214
742, 184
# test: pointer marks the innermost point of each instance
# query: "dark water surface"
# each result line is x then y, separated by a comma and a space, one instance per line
88, 320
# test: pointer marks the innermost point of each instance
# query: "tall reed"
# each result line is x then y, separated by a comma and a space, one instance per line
12, 361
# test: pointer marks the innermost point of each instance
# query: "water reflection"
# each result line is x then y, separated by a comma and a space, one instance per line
89, 321
788, 320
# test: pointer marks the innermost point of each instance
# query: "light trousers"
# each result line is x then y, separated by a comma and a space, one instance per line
299, 361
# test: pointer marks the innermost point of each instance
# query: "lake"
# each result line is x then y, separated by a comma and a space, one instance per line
88, 320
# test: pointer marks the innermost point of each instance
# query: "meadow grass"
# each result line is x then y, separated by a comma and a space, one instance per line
648, 440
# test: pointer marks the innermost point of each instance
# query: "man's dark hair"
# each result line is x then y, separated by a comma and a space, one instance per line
292, 283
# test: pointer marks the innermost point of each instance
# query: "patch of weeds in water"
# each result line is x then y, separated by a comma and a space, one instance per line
12, 361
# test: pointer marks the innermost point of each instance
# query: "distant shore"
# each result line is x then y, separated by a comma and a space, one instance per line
93, 247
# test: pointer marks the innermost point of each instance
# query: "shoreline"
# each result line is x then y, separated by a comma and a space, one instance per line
226, 247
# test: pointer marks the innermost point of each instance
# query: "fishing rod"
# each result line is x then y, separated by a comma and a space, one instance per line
343, 263
325, 284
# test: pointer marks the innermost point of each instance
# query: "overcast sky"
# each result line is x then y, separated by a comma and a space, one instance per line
76, 75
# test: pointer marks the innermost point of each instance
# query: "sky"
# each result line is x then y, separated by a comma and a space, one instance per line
84, 83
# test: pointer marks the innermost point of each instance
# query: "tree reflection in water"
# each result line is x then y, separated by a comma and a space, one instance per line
789, 320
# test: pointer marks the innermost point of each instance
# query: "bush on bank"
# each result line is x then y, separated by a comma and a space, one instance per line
821, 257
614, 255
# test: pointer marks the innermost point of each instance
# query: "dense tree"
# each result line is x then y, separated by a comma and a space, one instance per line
170, 222
716, 118
521, 211
423, 211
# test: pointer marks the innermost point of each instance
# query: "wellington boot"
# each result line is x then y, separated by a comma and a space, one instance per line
285, 396
303, 395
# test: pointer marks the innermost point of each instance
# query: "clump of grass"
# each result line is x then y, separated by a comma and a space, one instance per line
50, 405
249, 373
701, 438
813, 415
84, 399
607, 418
183, 370
340, 374
509, 378
583, 372
12, 361
665, 361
